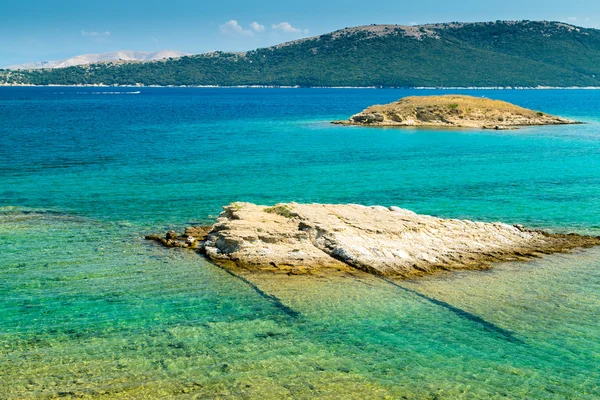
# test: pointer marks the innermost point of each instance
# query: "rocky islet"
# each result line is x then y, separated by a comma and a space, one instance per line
306, 238
449, 111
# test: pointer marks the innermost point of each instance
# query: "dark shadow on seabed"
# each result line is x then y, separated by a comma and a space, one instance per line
273, 299
488, 326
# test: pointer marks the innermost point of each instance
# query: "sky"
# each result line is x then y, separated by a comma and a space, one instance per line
43, 30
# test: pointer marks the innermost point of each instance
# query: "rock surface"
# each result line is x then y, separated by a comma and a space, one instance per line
193, 237
452, 111
300, 238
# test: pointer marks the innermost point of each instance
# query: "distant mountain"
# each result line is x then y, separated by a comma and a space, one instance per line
501, 53
122, 55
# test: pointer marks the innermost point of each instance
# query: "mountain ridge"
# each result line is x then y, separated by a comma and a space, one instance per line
455, 54
91, 58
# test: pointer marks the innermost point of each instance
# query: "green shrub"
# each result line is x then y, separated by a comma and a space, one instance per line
281, 209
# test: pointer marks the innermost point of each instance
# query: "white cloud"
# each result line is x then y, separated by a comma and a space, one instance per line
256, 27
287, 28
95, 34
232, 27
572, 19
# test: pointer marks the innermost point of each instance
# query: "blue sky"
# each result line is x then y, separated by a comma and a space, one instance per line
35, 30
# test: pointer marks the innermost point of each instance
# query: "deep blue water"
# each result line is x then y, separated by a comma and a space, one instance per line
91, 309
171, 155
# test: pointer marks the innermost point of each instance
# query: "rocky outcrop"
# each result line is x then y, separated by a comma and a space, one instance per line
452, 111
302, 238
193, 237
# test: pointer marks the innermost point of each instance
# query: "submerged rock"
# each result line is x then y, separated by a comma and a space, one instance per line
452, 111
302, 238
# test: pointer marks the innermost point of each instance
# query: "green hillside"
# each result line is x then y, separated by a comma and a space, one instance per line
524, 53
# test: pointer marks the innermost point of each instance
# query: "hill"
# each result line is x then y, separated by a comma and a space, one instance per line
502, 53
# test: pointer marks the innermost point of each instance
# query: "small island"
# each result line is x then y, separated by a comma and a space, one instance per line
297, 239
452, 111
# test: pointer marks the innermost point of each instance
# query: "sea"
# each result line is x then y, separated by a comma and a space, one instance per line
89, 309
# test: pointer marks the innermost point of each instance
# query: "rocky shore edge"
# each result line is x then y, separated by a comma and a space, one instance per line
308, 238
458, 111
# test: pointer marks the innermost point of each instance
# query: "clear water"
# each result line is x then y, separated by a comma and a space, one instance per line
89, 309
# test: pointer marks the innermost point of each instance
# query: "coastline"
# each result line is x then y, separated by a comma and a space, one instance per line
322, 87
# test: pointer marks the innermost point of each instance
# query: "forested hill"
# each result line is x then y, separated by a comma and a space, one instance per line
524, 53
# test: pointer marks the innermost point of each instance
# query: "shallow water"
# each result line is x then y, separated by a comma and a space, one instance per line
90, 309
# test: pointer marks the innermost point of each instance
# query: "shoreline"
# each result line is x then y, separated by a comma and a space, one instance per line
317, 87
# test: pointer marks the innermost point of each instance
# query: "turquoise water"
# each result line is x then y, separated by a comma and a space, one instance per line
89, 309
